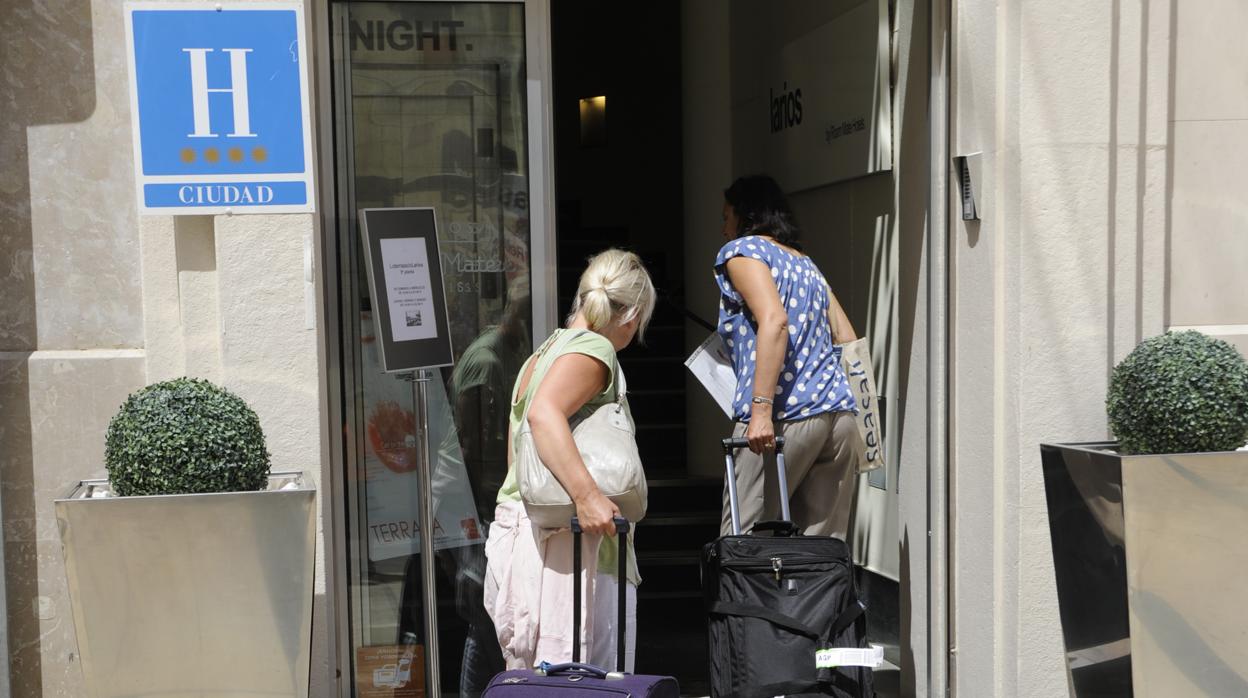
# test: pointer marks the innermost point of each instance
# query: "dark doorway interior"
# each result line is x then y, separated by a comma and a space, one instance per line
619, 184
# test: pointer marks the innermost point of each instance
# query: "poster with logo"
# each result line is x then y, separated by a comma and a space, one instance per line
390, 671
390, 460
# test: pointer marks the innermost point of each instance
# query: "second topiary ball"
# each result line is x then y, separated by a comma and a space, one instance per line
1181, 392
185, 436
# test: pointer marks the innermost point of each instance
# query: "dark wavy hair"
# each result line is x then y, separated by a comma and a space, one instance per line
762, 209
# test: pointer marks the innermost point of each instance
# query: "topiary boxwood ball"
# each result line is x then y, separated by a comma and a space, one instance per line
185, 436
1181, 392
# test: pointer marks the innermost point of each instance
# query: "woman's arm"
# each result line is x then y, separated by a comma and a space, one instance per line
752, 279
842, 330
573, 379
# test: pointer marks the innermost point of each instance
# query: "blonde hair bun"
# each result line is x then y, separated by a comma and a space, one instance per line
614, 289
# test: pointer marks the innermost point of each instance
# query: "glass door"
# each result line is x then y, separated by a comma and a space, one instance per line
434, 97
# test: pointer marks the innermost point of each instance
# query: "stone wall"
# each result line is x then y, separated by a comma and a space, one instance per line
1208, 214
1060, 278
98, 302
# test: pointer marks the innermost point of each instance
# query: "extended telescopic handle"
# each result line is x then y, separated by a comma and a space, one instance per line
730, 446
621, 529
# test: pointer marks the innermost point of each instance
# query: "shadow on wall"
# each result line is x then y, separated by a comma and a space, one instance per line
906, 613
48, 77
913, 181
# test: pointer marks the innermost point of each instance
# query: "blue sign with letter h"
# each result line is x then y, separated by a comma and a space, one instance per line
220, 108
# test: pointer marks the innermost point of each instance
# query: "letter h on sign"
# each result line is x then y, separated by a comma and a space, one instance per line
237, 88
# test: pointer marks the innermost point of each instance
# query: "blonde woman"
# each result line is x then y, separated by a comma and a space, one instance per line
528, 586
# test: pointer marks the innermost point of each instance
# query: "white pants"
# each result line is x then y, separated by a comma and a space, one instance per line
528, 595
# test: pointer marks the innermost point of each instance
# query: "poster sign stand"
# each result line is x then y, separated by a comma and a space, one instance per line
405, 275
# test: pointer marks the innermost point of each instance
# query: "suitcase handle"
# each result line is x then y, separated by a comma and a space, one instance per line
621, 529
731, 445
548, 669
782, 529
621, 525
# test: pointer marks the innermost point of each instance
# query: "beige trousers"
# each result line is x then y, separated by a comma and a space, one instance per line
821, 465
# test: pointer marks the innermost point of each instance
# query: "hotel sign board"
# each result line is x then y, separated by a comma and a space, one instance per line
219, 107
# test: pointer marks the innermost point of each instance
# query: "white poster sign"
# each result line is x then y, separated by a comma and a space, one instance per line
409, 288
828, 103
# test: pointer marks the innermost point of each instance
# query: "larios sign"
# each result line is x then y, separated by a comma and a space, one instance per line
829, 111
786, 108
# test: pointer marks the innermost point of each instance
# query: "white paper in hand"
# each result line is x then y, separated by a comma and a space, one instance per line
711, 364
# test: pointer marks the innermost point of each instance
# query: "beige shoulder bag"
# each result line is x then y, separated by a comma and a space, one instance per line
607, 444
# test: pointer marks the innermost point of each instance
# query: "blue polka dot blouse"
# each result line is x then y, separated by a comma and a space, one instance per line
811, 380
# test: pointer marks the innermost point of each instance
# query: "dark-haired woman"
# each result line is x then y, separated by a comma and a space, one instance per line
782, 324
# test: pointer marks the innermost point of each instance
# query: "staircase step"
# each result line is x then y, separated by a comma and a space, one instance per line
666, 339
667, 595
654, 375
664, 463
654, 439
676, 643
678, 533
682, 520
650, 360
662, 468
685, 494
658, 409
695, 482
670, 571
666, 558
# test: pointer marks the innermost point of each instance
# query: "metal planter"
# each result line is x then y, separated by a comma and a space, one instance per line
192, 595
1150, 554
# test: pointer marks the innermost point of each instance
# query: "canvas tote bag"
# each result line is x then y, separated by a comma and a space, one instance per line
856, 363
607, 444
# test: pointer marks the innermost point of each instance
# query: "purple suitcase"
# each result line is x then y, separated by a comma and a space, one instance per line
577, 680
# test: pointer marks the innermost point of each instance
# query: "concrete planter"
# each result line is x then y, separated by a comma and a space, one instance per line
1150, 554
192, 595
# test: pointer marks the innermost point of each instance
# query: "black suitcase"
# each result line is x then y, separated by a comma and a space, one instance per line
785, 618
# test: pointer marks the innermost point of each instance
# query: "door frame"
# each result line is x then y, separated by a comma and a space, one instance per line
941, 652
333, 130
335, 168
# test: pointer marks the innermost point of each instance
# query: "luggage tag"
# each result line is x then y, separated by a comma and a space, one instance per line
832, 657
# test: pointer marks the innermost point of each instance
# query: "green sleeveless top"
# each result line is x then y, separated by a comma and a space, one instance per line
590, 344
